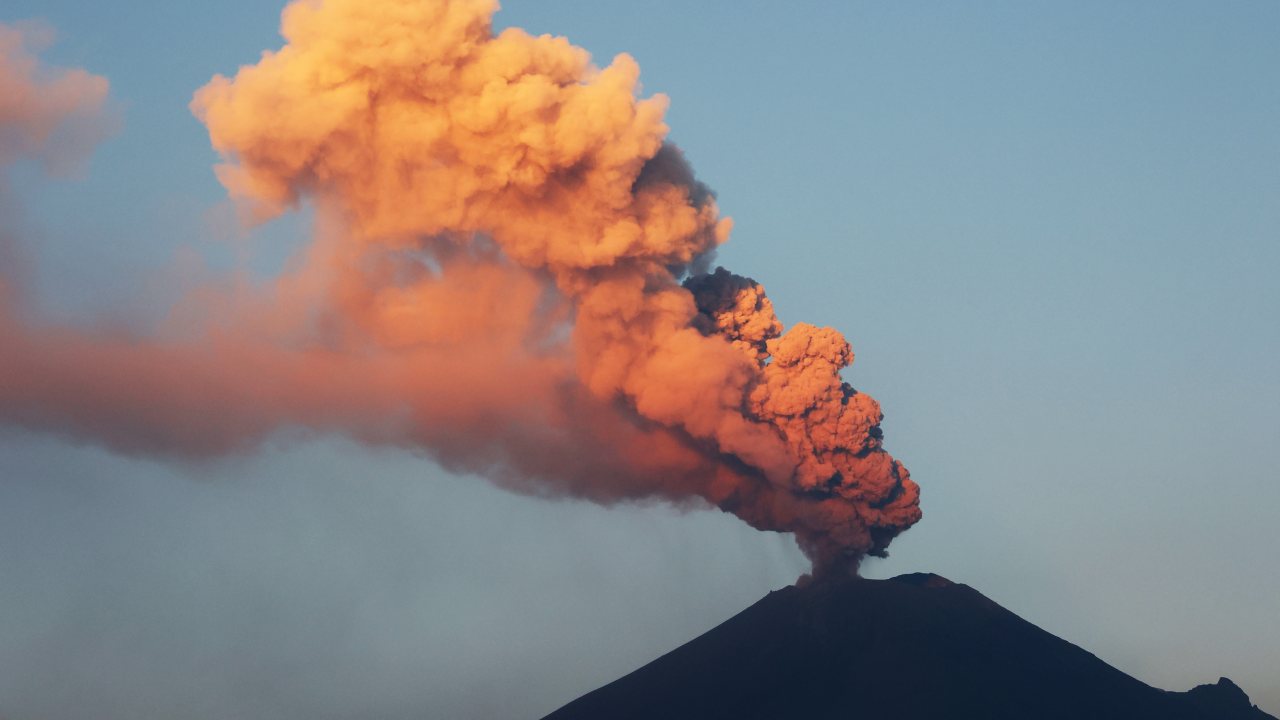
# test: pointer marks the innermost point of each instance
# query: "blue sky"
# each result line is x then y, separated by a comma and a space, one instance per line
1051, 232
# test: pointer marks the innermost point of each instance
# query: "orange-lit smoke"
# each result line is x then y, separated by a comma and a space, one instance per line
496, 279
52, 116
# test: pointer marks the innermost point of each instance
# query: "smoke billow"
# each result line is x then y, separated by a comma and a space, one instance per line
508, 272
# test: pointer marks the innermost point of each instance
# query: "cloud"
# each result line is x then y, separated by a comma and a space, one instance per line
507, 274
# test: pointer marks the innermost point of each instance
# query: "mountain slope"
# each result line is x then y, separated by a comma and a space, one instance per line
916, 646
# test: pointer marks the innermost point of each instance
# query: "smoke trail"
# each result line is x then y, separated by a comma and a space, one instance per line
497, 280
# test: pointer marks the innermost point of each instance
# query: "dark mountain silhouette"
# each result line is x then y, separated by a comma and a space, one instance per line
916, 646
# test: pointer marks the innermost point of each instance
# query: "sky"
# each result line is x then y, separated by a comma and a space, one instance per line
1049, 231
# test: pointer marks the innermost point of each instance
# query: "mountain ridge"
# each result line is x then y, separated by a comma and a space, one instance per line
914, 646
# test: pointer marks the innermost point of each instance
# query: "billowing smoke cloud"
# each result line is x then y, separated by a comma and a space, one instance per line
508, 273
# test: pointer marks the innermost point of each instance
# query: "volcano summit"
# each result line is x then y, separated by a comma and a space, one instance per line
916, 646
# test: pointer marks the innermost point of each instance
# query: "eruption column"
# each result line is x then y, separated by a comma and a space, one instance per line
509, 273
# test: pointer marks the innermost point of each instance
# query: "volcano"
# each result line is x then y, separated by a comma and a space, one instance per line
915, 646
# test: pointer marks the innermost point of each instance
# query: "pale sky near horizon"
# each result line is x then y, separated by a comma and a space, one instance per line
1051, 232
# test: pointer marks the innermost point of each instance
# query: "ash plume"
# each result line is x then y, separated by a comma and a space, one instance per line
507, 273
